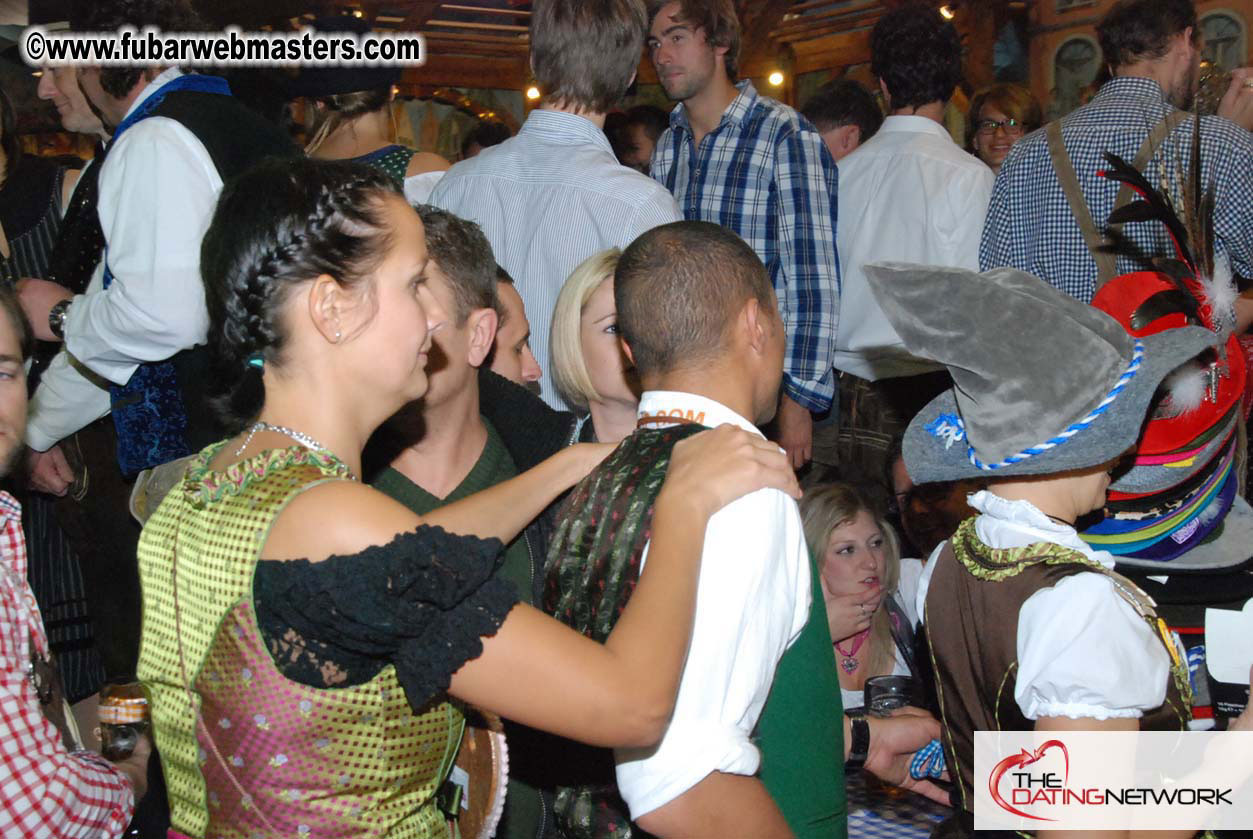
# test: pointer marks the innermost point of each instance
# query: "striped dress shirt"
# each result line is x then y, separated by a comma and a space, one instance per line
765, 173
548, 199
1030, 225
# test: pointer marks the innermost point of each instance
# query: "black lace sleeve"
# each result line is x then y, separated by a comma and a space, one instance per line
423, 602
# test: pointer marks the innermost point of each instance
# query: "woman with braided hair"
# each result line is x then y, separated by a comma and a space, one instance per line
302, 632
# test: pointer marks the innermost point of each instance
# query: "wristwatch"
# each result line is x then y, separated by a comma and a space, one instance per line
56, 317
860, 748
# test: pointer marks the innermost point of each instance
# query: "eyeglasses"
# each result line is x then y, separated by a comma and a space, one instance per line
1011, 126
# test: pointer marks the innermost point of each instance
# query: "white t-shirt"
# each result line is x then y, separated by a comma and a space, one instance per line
908, 194
1082, 650
751, 603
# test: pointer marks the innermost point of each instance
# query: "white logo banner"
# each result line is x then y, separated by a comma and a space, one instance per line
1138, 780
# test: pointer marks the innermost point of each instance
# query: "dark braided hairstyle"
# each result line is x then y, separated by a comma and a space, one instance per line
281, 224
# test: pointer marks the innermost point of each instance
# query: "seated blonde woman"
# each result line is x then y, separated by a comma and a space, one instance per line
869, 590
589, 368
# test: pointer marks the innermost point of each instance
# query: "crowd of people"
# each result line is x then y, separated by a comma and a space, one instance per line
432, 456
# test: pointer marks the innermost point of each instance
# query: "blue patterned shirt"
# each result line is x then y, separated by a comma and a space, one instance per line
1030, 225
765, 174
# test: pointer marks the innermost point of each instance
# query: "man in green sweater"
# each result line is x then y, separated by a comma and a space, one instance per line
441, 448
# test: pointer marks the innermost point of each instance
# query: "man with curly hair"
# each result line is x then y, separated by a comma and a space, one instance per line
1039, 224
918, 197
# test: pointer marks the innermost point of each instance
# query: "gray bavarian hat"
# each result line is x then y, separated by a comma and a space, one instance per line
1043, 383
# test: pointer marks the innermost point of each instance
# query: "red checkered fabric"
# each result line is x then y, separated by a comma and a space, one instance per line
45, 791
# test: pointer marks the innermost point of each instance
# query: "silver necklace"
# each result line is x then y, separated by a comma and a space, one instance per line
299, 436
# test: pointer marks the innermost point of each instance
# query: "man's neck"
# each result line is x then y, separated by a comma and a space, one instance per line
594, 117
721, 383
452, 442
705, 108
933, 111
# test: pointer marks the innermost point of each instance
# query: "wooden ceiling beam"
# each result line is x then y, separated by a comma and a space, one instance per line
867, 20
831, 51
470, 71
766, 19
419, 13
486, 10
463, 24
805, 22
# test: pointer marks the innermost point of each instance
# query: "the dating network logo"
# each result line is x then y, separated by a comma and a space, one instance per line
1026, 788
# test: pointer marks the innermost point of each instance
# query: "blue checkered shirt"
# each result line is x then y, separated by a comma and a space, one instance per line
1030, 226
765, 173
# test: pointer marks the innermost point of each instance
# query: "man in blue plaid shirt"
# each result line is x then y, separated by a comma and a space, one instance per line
1152, 49
757, 167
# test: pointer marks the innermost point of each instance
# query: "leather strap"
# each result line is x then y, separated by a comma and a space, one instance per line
1099, 244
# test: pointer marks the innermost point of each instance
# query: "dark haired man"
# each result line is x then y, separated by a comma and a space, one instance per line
919, 198
512, 356
555, 194
1050, 206
699, 318
484, 135
643, 128
755, 166
133, 340
472, 430
845, 114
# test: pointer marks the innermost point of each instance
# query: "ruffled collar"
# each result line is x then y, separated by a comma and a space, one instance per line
1015, 524
205, 485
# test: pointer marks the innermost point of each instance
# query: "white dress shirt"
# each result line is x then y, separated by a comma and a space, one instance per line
908, 194
158, 189
1082, 649
751, 603
548, 199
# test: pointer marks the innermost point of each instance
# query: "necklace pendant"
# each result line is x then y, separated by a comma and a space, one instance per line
849, 664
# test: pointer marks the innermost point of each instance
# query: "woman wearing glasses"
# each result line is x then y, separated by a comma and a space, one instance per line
1000, 116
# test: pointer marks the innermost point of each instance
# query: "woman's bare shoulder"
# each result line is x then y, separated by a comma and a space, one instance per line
336, 518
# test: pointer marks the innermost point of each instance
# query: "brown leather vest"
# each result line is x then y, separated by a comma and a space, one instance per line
971, 620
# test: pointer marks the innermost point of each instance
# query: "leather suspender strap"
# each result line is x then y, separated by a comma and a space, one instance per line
1099, 245
1105, 262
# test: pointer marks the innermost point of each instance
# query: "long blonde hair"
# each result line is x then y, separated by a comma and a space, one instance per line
825, 510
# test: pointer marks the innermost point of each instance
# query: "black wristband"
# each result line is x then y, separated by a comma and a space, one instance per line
860, 748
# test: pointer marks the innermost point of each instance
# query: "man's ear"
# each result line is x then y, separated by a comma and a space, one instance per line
482, 325
327, 301
756, 324
626, 351
887, 96
850, 138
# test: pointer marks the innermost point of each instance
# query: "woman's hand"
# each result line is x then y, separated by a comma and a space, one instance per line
849, 614
1244, 722
713, 468
849, 608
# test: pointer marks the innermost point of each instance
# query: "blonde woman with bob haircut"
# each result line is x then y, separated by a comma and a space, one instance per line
589, 368
869, 590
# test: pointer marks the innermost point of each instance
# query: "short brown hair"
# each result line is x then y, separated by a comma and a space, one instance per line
584, 53
716, 18
462, 252
679, 286
1013, 100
